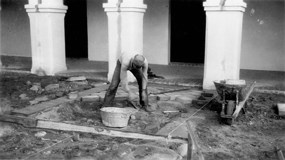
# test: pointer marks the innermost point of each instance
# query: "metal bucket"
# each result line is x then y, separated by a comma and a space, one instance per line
116, 117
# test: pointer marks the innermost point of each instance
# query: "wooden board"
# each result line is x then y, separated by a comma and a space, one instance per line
52, 103
25, 121
103, 131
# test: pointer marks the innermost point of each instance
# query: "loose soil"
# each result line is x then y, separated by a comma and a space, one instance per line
254, 135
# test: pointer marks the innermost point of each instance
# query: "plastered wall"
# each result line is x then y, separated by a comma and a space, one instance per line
97, 31
263, 36
15, 29
156, 31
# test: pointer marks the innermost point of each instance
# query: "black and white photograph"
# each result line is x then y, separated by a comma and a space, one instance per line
142, 79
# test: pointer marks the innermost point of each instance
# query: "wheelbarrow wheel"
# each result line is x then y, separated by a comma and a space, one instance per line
230, 107
229, 111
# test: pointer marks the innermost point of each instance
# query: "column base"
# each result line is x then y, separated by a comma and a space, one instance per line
42, 71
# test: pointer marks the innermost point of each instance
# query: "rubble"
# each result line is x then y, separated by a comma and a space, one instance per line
73, 127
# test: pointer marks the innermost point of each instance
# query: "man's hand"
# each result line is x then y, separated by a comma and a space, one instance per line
144, 98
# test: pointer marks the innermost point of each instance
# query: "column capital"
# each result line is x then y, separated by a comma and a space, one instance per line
224, 5
49, 6
125, 6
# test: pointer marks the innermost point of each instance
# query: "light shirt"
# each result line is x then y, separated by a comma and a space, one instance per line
126, 64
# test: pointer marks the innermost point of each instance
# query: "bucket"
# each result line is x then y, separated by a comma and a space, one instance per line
116, 117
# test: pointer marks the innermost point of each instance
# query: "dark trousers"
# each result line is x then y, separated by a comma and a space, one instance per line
111, 91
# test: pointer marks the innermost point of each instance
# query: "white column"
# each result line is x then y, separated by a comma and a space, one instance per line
223, 40
0, 38
47, 35
125, 29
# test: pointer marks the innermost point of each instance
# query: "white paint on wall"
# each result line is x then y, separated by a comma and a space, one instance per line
157, 32
263, 45
97, 31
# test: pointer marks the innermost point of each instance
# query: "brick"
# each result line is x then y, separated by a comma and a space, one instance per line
281, 109
169, 105
80, 78
163, 97
185, 99
90, 98
152, 98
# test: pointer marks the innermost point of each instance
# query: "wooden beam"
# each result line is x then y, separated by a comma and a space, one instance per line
241, 104
195, 149
32, 109
25, 121
103, 131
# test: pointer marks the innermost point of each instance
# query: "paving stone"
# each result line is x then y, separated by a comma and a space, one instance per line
170, 105
91, 98
35, 88
185, 99
172, 95
51, 87
163, 97
182, 150
73, 95
5, 129
79, 78
281, 109
199, 102
152, 98
23, 96
181, 131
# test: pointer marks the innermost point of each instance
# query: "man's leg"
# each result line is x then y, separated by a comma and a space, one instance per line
111, 92
142, 91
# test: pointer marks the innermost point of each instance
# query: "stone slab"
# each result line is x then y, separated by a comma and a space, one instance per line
45, 105
281, 109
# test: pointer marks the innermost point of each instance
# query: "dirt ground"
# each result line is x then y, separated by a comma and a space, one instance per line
254, 135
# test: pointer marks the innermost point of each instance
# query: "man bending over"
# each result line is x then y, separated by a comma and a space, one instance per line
138, 66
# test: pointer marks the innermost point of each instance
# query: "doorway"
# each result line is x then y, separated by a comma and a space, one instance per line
76, 40
187, 23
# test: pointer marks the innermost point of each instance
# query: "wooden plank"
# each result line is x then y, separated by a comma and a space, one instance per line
279, 153
103, 131
190, 146
52, 103
25, 121
195, 150
241, 104
41, 106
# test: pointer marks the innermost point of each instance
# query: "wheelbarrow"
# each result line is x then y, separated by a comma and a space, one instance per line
233, 94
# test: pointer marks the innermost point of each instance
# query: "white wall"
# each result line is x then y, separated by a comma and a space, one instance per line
156, 31
15, 29
97, 31
263, 36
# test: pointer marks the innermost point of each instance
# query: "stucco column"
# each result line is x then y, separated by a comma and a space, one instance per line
47, 35
0, 39
223, 40
125, 29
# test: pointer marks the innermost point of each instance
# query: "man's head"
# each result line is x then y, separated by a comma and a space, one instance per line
138, 61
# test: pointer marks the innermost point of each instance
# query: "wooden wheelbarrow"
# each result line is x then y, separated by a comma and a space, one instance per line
233, 95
